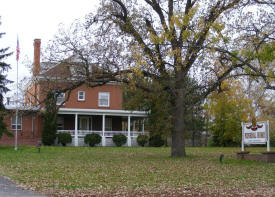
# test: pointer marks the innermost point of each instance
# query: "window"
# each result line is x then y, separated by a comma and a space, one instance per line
84, 123
60, 98
13, 122
60, 123
81, 95
103, 99
108, 124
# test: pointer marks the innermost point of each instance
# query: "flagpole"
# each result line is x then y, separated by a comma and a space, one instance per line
16, 122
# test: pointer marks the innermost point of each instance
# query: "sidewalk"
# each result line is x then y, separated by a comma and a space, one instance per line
10, 189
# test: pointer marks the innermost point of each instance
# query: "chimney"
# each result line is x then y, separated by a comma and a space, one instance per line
36, 59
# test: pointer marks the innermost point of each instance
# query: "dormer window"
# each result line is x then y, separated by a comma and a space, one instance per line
104, 99
81, 95
60, 98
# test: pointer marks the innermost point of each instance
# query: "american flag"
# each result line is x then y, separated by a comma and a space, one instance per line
17, 50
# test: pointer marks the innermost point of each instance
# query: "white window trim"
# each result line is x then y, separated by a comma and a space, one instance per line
106, 93
78, 94
18, 123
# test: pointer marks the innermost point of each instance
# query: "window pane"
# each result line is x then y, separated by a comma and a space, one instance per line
60, 123
13, 122
19, 119
81, 95
104, 99
84, 123
108, 124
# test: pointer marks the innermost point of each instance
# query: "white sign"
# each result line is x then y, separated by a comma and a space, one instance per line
258, 134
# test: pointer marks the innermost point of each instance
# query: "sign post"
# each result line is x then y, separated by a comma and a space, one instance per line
242, 137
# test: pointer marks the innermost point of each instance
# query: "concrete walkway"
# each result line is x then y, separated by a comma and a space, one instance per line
10, 189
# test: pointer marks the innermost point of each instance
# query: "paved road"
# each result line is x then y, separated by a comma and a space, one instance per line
9, 189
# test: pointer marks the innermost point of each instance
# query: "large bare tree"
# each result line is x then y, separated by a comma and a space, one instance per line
170, 42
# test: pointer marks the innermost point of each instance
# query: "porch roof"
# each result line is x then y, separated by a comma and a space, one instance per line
102, 112
22, 108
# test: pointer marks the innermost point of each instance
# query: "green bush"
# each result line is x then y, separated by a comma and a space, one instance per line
119, 139
142, 140
92, 139
64, 138
272, 141
156, 141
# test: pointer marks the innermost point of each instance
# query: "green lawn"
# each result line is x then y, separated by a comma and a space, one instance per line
110, 171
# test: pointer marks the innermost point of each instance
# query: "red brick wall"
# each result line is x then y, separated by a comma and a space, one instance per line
25, 136
91, 97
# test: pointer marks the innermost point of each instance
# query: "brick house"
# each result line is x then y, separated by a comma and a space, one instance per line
86, 110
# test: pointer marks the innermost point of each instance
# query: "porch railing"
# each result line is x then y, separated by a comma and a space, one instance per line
82, 133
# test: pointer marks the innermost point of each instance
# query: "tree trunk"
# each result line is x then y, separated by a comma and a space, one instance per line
178, 144
193, 138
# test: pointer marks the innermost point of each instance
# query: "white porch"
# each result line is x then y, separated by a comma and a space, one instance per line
129, 123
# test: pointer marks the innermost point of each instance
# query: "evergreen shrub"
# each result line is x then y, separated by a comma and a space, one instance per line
272, 141
156, 141
119, 139
92, 139
49, 120
142, 140
64, 138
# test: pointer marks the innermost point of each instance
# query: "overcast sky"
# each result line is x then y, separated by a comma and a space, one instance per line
30, 19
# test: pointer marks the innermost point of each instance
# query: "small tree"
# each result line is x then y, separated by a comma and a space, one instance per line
3, 89
227, 110
119, 139
92, 139
49, 120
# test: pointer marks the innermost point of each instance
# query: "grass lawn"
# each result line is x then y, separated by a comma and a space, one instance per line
136, 171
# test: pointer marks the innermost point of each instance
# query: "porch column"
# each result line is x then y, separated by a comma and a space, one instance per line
76, 130
103, 131
129, 132
268, 137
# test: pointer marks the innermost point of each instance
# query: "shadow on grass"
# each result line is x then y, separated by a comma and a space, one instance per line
6, 148
229, 161
20, 149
